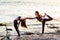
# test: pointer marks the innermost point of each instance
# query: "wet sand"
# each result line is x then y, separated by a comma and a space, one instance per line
39, 36
51, 33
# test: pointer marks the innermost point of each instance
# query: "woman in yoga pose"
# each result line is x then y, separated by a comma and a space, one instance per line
40, 18
16, 24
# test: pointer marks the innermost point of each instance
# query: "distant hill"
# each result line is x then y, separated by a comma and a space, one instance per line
6, 24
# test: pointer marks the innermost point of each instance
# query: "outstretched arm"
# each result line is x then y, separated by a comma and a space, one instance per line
29, 18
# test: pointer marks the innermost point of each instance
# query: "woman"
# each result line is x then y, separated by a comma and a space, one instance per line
40, 19
16, 24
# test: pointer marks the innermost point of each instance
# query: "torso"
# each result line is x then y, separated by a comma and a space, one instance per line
39, 18
15, 22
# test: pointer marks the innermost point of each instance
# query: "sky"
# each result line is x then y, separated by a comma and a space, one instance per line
10, 9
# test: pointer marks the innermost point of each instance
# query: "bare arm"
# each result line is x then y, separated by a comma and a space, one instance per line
26, 18
18, 23
42, 16
29, 18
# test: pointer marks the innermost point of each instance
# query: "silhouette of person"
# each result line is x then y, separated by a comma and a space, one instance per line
40, 18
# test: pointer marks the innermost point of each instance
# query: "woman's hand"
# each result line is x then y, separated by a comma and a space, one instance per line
45, 14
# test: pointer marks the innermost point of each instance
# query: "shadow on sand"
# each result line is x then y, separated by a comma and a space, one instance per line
57, 32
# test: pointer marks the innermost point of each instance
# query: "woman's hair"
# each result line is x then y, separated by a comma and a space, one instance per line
37, 13
19, 17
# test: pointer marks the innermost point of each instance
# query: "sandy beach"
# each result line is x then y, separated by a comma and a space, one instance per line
32, 36
41, 37
46, 36
52, 32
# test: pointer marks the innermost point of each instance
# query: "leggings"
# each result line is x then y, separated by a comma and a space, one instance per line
16, 27
43, 22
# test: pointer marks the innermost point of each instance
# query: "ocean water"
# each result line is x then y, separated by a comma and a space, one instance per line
10, 9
